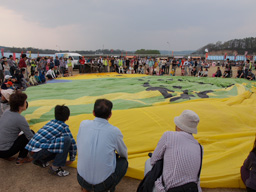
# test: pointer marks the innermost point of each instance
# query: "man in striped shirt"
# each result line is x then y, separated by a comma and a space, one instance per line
181, 155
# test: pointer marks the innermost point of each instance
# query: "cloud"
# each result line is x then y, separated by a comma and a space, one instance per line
129, 25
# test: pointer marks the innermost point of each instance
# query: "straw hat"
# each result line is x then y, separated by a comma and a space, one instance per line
6, 93
187, 121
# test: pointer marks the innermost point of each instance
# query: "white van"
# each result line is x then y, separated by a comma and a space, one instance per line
75, 58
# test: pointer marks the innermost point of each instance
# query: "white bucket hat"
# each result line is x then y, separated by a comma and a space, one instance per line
6, 77
6, 93
187, 121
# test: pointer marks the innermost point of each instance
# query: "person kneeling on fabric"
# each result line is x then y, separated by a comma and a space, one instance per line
248, 170
50, 74
181, 155
54, 142
14, 130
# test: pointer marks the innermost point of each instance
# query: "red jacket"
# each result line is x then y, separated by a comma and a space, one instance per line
22, 63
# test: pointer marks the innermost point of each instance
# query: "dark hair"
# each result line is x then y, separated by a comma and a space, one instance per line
17, 100
102, 108
23, 56
62, 113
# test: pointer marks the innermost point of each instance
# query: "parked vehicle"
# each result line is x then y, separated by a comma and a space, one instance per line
74, 56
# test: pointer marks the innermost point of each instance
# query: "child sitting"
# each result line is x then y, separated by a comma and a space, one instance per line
205, 72
193, 71
32, 80
172, 72
37, 77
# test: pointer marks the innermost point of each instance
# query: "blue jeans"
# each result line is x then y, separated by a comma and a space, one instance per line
111, 182
59, 158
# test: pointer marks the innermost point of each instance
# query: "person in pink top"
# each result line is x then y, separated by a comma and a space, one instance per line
181, 154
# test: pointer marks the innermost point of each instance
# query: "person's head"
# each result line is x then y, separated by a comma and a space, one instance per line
24, 56
23, 70
187, 122
62, 113
10, 57
6, 94
7, 77
8, 84
18, 102
103, 108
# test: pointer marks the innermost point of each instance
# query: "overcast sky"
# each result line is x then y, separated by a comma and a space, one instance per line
124, 24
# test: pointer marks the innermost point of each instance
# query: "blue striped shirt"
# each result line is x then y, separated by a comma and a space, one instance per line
51, 137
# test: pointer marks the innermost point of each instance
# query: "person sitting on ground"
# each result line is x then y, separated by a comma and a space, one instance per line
240, 72
101, 165
200, 72
250, 75
140, 70
5, 105
37, 77
193, 71
54, 141
24, 80
172, 72
56, 71
205, 72
248, 170
228, 70
42, 77
218, 73
181, 155
6, 79
32, 80
50, 74
9, 85
14, 130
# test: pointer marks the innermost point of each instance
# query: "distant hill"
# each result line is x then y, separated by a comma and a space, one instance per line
234, 45
51, 51
165, 52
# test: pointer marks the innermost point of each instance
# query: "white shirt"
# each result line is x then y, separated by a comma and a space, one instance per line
51, 72
97, 141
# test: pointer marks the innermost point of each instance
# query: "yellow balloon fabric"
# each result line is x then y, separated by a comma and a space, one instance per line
226, 131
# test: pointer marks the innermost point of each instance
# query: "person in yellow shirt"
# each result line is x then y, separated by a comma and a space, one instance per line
70, 68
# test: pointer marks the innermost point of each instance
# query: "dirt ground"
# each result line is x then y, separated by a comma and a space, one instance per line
31, 178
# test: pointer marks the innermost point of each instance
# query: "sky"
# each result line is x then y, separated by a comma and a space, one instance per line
173, 25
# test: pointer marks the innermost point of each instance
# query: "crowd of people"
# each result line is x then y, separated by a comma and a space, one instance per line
25, 72
102, 153
175, 164
167, 66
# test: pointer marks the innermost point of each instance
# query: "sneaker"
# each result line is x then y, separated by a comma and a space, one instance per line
20, 161
40, 163
59, 172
